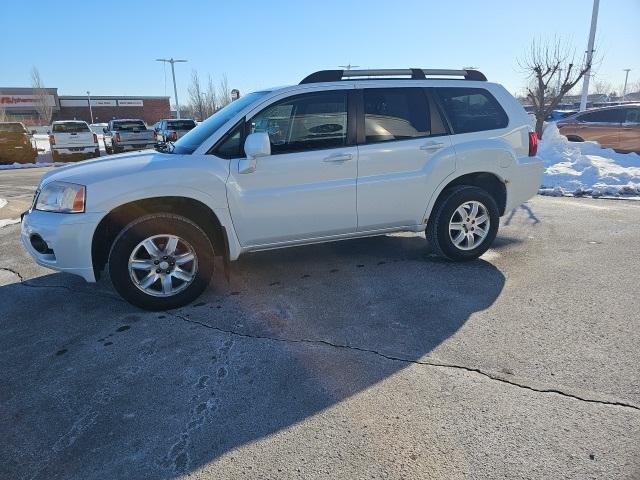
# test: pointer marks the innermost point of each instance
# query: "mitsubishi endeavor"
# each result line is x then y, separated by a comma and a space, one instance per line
343, 154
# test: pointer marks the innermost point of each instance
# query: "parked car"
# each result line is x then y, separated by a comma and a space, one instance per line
15, 144
127, 134
615, 127
560, 114
333, 158
170, 130
72, 139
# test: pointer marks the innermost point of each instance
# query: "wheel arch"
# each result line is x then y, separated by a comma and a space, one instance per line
113, 223
488, 181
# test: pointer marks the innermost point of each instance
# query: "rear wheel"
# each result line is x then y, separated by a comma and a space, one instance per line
463, 224
161, 261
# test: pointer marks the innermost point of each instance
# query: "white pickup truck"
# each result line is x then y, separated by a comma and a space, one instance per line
124, 135
72, 139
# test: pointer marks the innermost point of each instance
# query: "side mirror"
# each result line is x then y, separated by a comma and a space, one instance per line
256, 145
104, 130
33, 132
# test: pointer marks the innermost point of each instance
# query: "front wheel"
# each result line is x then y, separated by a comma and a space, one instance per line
463, 224
161, 261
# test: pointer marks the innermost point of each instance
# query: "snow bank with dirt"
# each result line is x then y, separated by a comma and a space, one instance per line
585, 168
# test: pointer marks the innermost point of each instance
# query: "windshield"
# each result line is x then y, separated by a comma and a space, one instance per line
70, 127
181, 124
129, 125
12, 128
192, 140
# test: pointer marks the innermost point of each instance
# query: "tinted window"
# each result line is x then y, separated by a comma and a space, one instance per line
181, 124
12, 128
632, 115
70, 127
472, 109
613, 115
129, 125
395, 114
192, 140
305, 122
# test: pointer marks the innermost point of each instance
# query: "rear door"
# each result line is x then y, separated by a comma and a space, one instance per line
630, 131
602, 126
401, 139
306, 188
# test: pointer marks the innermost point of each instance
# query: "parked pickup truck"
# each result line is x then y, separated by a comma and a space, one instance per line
127, 134
15, 144
72, 139
170, 130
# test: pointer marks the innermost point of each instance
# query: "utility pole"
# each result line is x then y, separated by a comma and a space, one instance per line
626, 77
173, 74
592, 37
90, 109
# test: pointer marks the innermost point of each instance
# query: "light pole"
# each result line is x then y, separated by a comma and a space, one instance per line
90, 109
173, 74
592, 37
626, 77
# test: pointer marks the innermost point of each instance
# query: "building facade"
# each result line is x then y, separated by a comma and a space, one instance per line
23, 105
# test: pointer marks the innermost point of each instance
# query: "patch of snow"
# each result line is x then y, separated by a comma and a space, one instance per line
585, 168
8, 221
3, 202
14, 166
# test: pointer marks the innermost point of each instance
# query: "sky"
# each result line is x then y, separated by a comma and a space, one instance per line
110, 47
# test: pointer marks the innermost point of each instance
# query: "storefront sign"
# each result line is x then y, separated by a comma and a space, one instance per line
25, 101
130, 103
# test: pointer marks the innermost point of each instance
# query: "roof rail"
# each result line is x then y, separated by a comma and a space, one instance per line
413, 73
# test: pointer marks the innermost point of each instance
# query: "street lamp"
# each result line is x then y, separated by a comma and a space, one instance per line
90, 109
173, 74
626, 77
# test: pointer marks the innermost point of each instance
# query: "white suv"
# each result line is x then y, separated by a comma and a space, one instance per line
344, 154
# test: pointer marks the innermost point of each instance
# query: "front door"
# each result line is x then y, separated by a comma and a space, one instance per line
306, 188
602, 126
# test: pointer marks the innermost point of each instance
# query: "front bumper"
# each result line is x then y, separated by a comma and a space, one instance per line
69, 236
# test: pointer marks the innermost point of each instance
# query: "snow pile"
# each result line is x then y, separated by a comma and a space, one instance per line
14, 166
3, 202
585, 168
8, 221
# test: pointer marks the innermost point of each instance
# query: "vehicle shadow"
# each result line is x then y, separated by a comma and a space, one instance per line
94, 388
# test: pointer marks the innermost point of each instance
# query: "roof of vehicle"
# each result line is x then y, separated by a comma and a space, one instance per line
127, 120
11, 123
611, 107
68, 121
397, 74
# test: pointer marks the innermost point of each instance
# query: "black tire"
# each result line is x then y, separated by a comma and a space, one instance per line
450, 200
106, 148
160, 224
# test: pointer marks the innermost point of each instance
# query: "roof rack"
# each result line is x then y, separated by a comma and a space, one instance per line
413, 73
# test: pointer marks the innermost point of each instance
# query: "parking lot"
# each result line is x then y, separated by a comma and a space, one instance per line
367, 358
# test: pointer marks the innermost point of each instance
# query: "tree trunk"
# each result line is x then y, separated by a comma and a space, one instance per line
539, 126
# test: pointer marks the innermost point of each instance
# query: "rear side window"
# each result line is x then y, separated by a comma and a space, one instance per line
613, 115
70, 127
181, 124
472, 109
395, 114
128, 126
12, 128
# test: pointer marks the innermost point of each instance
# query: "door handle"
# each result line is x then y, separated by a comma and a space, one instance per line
338, 158
432, 146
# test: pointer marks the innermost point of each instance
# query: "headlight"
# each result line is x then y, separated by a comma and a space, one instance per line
61, 197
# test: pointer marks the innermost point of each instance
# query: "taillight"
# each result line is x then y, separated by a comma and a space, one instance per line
533, 144
24, 140
95, 138
174, 136
52, 140
116, 137
155, 136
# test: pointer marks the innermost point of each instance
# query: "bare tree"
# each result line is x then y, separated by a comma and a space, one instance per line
602, 87
196, 96
553, 72
224, 92
211, 97
43, 107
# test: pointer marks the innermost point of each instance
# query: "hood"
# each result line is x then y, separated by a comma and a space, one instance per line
103, 168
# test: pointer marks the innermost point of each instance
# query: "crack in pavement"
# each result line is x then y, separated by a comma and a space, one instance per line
417, 362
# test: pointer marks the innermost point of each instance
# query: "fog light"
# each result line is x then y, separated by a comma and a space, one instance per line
39, 245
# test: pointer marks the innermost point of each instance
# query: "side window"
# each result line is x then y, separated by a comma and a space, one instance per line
472, 109
231, 146
395, 114
312, 121
613, 115
632, 115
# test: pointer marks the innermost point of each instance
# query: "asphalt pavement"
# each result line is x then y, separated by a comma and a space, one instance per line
358, 359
